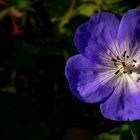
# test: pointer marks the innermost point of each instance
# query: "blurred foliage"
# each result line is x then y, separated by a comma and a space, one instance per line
36, 38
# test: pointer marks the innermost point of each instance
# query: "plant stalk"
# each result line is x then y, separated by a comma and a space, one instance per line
133, 130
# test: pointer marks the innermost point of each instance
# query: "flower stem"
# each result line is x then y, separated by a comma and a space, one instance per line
133, 130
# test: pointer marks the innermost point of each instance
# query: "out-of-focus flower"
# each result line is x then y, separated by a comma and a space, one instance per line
16, 28
107, 70
17, 11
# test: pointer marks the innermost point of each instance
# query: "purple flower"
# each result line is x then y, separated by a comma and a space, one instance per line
107, 70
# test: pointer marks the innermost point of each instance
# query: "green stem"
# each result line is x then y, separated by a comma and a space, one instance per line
133, 130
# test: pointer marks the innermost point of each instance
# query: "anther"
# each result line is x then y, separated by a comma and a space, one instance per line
114, 60
115, 64
124, 54
135, 61
127, 56
124, 71
123, 63
118, 58
117, 72
130, 71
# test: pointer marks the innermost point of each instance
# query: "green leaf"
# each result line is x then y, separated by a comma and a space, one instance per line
86, 9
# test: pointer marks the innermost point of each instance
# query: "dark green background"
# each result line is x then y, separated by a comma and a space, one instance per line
36, 39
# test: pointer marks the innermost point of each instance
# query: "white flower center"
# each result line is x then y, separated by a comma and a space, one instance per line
120, 67
124, 64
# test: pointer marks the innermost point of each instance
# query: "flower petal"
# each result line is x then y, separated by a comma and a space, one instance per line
129, 29
124, 103
96, 35
85, 81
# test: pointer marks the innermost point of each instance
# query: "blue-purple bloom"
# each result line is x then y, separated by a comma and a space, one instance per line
107, 70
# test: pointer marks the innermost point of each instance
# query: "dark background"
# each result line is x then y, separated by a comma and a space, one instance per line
36, 39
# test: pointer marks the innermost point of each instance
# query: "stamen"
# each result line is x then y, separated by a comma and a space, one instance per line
118, 58
124, 54
114, 60
130, 71
123, 63
115, 64
135, 61
124, 71
117, 72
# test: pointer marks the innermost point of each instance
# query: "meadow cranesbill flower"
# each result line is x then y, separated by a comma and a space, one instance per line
107, 70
